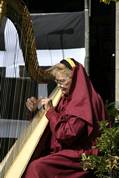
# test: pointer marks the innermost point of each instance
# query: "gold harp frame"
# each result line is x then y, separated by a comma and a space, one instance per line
18, 13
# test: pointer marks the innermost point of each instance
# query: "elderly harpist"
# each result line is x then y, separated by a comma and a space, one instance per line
74, 123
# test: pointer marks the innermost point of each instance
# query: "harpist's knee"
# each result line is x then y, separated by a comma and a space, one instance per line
35, 169
37, 166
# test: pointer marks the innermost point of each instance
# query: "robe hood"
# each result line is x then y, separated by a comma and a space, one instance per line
85, 102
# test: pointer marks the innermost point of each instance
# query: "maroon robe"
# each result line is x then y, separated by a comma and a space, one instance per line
74, 124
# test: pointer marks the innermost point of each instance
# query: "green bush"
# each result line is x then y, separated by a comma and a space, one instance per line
106, 165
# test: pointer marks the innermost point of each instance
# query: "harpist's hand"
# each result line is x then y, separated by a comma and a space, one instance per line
46, 103
32, 103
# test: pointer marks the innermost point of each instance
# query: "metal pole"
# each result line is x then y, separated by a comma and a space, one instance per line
117, 58
87, 16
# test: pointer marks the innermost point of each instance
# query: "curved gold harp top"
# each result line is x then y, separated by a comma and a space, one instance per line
18, 13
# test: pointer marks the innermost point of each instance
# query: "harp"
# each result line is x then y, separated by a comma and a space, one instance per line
18, 13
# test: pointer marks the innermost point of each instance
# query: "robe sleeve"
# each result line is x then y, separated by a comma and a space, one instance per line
65, 127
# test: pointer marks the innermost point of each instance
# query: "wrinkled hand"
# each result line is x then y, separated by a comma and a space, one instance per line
46, 103
32, 103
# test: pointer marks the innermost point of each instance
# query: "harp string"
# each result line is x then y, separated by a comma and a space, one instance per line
21, 93
16, 81
27, 42
14, 89
8, 83
25, 84
2, 143
6, 102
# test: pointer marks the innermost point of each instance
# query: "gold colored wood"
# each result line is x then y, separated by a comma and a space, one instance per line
26, 144
24, 147
18, 13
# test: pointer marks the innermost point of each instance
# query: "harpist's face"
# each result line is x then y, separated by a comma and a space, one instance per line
64, 82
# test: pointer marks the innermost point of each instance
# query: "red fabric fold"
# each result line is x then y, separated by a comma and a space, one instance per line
85, 102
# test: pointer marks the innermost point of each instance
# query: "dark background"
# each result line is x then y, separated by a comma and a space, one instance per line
54, 6
102, 39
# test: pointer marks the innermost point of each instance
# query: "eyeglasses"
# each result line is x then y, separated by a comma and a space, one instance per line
62, 81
